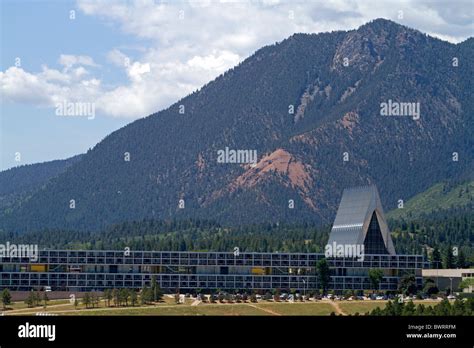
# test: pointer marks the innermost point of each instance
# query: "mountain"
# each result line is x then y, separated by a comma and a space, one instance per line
17, 183
440, 197
303, 105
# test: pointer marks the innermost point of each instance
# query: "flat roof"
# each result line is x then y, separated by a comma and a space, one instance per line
452, 272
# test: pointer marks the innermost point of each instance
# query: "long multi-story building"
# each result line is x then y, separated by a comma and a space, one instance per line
70, 270
359, 220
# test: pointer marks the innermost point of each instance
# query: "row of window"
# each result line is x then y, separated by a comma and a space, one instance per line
46, 255
164, 277
263, 263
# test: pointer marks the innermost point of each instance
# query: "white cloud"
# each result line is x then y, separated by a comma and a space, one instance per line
118, 58
162, 81
69, 60
19, 85
49, 87
137, 69
53, 75
190, 43
217, 61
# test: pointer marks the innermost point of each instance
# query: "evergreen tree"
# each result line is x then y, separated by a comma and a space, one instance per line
146, 295
124, 296
448, 257
116, 297
86, 300
30, 300
420, 309
375, 277
6, 298
133, 298
430, 287
37, 298
407, 285
408, 309
436, 258
461, 260
108, 296
324, 276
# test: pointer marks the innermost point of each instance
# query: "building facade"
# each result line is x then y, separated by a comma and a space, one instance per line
449, 278
72, 270
360, 222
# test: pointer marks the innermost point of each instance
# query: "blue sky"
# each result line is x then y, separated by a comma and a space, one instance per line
39, 32
132, 58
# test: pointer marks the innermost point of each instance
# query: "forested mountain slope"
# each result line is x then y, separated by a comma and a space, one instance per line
311, 108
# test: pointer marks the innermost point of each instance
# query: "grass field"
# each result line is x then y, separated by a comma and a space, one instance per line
168, 307
23, 305
180, 310
307, 308
351, 307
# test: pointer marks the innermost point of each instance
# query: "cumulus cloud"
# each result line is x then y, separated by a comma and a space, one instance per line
137, 69
69, 60
160, 80
187, 44
48, 87
24, 87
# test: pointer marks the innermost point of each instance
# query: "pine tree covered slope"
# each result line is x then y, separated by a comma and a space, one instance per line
173, 156
440, 197
19, 182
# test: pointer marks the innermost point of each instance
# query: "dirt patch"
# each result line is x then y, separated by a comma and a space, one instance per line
349, 121
278, 162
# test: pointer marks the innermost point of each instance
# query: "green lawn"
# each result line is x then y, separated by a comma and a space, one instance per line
20, 308
168, 307
351, 307
22, 304
183, 310
306, 308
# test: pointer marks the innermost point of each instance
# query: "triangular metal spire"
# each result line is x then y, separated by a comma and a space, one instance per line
354, 215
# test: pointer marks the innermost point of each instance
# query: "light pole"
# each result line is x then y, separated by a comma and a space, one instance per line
451, 288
